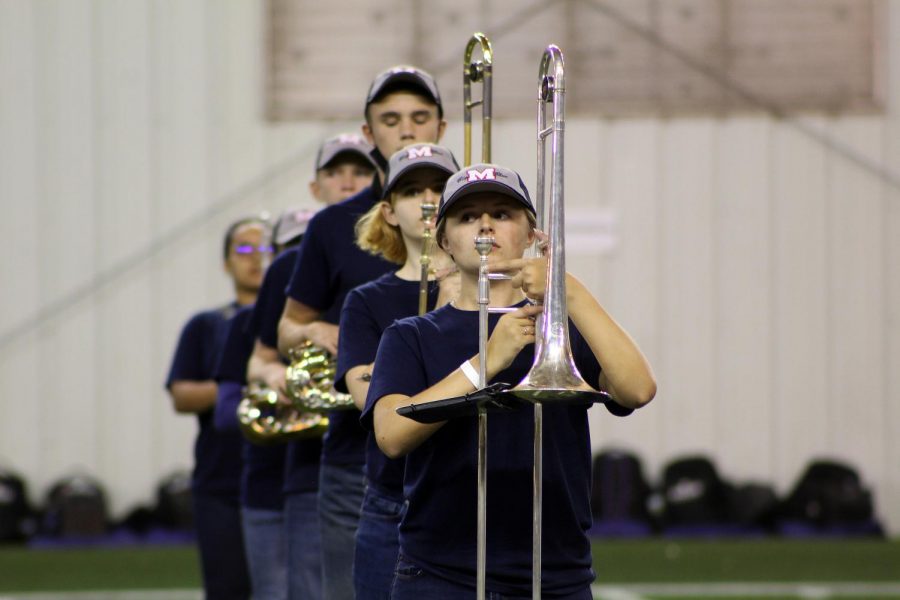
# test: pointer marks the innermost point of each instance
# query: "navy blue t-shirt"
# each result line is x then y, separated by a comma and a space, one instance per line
368, 311
217, 455
301, 466
329, 265
263, 473
271, 298
438, 531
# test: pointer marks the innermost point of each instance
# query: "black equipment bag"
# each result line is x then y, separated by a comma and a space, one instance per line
694, 494
174, 502
76, 507
619, 490
16, 515
829, 494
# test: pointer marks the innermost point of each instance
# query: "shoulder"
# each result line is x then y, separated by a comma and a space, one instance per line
341, 211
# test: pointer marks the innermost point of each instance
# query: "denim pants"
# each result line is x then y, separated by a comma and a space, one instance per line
377, 545
413, 583
266, 548
304, 546
221, 543
340, 499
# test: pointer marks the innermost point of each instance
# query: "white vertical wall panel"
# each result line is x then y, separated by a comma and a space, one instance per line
754, 266
686, 212
800, 398
855, 312
20, 437
742, 371
889, 486
631, 292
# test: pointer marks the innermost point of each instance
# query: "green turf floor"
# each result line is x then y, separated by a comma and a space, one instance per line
616, 563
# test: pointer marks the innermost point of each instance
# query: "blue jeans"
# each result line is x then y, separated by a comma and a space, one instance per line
340, 498
266, 548
221, 542
304, 546
377, 546
413, 583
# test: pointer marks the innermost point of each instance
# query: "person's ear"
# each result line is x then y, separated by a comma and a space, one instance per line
442, 127
367, 133
315, 189
388, 214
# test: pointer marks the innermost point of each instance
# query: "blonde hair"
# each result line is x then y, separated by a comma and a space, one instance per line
376, 236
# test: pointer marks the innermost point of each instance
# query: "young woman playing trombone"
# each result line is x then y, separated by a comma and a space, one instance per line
435, 356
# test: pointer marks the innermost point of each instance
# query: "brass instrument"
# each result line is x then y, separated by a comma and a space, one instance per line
428, 211
265, 421
474, 71
310, 380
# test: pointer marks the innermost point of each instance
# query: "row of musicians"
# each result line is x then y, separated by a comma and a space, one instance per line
383, 506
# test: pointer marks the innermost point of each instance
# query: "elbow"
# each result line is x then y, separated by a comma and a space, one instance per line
643, 394
390, 449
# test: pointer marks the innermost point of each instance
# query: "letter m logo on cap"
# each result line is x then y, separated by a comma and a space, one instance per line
414, 153
476, 175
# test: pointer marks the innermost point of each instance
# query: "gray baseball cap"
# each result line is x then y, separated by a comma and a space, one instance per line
400, 74
484, 177
414, 157
291, 224
345, 143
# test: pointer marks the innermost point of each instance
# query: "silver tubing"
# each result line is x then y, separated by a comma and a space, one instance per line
483, 244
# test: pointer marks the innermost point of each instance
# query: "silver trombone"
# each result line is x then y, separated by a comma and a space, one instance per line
553, 377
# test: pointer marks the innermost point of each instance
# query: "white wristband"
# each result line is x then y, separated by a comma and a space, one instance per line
471, 374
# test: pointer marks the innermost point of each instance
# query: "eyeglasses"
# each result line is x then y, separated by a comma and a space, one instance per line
249, 249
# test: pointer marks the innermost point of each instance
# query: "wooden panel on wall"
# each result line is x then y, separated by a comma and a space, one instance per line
634, 57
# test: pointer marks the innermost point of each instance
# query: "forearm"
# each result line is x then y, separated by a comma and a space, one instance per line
627, 373
397, 435
358, 384
193, 396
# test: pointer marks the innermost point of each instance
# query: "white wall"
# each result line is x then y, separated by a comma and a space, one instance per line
757, 268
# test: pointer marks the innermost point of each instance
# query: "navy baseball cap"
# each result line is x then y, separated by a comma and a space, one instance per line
345, 143
404, 74
484, 177
414, 157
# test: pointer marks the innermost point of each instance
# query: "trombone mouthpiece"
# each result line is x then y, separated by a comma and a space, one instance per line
484, 244
428, 210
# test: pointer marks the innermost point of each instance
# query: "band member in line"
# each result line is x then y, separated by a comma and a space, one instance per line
435, 356
393, 229
403, 106
217, 456
343, 169
262, 477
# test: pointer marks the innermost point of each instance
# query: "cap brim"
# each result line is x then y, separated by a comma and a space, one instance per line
346, 153
479, 188
402, 77
406, 170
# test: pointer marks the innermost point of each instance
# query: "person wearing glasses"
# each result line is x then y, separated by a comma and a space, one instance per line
343, 168
435, 357
215, 481
402, 107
